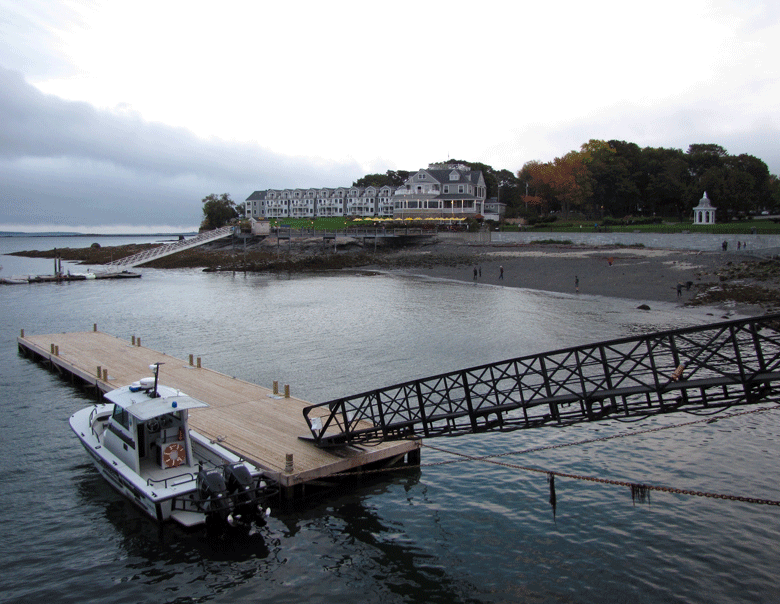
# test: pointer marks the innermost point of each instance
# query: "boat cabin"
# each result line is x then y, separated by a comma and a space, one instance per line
148, 427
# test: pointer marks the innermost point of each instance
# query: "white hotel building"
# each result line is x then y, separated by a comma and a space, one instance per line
438, 191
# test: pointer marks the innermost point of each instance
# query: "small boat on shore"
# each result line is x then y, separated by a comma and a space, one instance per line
141, 443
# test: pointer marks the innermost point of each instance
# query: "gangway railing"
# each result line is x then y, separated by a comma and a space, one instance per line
695, 368
171, 248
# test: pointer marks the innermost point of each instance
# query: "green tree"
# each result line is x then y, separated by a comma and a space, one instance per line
218, 210
390, 178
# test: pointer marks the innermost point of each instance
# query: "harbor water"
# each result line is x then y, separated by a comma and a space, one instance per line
448, 531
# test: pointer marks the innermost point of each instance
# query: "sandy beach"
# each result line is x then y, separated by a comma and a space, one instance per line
728, 281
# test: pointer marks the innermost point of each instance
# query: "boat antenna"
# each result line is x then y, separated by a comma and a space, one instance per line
155, 367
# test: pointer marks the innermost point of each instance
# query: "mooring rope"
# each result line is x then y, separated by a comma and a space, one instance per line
638, 490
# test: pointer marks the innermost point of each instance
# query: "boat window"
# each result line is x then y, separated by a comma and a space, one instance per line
121, 416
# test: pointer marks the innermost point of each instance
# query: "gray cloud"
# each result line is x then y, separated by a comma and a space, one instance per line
65, 162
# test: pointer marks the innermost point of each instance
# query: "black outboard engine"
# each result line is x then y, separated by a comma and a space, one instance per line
213, 496
241, 487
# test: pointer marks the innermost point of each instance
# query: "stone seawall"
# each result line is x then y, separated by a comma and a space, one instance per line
762, 244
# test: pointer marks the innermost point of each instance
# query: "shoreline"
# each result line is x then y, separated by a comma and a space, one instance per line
730, 281
725, 281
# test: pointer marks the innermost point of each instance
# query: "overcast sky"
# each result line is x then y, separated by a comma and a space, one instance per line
122, 116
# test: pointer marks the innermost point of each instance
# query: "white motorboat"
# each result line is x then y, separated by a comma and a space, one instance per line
141, 443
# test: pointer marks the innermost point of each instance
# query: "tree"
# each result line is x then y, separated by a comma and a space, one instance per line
390, 178
611, 167
218, 210
564, 180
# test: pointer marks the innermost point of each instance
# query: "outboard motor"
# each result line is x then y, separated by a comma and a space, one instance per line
241, 487
213, 495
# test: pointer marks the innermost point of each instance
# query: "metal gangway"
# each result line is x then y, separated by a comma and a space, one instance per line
171, 248
703, 368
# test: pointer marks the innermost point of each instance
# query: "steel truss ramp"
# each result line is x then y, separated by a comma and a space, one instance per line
171, 248
690, 369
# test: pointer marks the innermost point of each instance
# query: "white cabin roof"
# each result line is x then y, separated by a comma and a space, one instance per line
143, 407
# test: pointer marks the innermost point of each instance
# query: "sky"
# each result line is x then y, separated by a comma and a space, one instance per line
121, 117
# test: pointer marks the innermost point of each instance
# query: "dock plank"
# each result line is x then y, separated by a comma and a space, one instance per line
246, 418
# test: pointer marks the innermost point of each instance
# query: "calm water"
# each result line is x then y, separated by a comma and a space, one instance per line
463, 532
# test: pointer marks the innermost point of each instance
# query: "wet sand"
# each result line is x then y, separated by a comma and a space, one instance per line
641, 274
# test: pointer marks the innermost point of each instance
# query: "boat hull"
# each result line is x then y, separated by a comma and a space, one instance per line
165, 495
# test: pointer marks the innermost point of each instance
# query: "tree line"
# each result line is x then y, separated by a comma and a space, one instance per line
603, 179
619, 179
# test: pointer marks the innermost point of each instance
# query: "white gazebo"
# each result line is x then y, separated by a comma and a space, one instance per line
704, 213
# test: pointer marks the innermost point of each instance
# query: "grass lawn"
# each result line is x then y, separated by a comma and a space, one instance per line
762, 227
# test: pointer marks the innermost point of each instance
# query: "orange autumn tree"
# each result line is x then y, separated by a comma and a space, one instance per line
531, 175
564, 180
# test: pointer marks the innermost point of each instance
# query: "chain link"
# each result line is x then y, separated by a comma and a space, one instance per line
633, 485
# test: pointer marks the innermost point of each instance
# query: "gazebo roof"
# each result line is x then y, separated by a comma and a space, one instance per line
704, 203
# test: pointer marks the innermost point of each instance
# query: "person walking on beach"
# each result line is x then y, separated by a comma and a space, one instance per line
480, 271
500, 272
475, 273
679, 289
576, 284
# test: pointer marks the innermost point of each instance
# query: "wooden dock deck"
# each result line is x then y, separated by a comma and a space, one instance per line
248, 419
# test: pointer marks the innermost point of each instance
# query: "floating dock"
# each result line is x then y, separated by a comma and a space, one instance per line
68, 277
258, 423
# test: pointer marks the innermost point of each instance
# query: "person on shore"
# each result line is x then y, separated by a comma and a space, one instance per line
475, 273
679, 289
576, 284
480, 271
725, 245
500, 272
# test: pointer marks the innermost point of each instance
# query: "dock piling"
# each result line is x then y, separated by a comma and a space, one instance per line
191, 361
287, 391
276, 387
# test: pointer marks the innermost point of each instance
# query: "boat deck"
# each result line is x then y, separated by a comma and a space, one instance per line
248, 419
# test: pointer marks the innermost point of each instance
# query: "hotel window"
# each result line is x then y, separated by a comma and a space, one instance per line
460, 188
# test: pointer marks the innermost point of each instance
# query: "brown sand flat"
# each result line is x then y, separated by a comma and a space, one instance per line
641, 274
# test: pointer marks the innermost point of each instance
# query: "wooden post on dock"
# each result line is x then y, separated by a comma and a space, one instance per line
133, 340
191, 360
94, 327
198, 362
99, 371
276, 387
287, 391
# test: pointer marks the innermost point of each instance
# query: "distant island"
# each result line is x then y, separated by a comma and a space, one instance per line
71, 234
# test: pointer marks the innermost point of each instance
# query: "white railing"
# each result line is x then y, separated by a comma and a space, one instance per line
171, 248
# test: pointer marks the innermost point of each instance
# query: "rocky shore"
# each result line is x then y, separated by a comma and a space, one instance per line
727, 280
